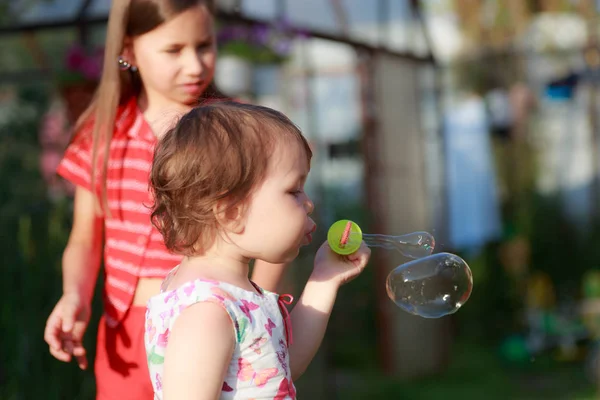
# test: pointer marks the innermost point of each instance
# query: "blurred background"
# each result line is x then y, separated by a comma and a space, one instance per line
475, 120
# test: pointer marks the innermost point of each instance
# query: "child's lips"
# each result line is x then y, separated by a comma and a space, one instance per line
309, 237
310, 232
192, 87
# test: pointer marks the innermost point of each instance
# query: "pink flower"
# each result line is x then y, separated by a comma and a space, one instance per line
150, 330
53, 130
48, 163
75, 57
88, 64
91, 69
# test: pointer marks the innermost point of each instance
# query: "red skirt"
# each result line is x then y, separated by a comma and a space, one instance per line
121, 366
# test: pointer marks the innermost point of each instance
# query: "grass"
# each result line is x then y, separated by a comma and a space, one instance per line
476, 373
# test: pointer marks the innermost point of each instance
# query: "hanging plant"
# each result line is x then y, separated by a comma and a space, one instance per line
81, 66
76, 83
260, 43
78, 79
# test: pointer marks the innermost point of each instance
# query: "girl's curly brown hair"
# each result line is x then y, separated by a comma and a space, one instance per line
215, 152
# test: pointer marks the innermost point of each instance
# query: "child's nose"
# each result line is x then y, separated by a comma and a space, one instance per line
309, 206
193, 64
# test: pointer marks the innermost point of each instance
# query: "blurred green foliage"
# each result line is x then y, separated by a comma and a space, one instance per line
33, 233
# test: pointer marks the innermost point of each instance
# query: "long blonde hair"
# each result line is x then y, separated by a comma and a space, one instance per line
128, 18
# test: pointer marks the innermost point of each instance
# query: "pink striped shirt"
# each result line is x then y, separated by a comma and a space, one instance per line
133, 248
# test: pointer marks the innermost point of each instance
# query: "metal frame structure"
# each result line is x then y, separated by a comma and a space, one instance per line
83, 22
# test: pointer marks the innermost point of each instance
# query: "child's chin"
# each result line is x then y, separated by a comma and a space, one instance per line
291, 256
285, 258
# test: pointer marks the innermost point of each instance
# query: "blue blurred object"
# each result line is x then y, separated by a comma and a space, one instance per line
474, 211
562, 88
559, 92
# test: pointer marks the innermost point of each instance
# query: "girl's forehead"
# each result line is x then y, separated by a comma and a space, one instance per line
194, 24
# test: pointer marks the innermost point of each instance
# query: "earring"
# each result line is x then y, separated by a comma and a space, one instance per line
124, 65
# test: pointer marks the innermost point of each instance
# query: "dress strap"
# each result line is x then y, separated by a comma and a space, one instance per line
165, 283
283, 300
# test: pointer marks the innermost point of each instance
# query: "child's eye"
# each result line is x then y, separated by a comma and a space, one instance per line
296, 192
172, 51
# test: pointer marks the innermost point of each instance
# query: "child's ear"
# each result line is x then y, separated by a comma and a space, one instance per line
230, 216
127, 53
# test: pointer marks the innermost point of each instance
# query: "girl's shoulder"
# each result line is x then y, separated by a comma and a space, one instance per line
248, 310
190, 292
237, 301
203, 289
125, 115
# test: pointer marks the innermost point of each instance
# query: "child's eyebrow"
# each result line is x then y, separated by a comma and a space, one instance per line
206, 40
301, 178
297, 178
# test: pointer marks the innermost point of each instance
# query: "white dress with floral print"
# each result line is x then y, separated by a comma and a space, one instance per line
259, 368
